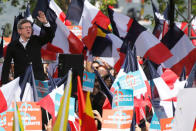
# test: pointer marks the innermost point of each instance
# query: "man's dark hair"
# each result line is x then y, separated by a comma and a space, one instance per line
21, 22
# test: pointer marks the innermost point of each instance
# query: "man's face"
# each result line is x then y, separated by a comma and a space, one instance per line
25, 31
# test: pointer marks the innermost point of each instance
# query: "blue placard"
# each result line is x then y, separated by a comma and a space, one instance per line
155, 125
88, 81
42, 88
133, 80
123, 98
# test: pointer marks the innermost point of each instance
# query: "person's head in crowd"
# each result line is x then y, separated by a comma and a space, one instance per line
95, 65
102, 70
24, 28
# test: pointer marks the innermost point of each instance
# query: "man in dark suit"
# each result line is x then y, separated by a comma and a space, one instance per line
27, 49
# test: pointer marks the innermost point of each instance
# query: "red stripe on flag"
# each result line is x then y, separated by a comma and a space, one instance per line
187, 61
101, 20
169, 77
165, 28
48, 55
129, 24
90, 38
155, 53
48, 104
75, 45
62, 16
53, 48
88, 123
120, 62
3, 105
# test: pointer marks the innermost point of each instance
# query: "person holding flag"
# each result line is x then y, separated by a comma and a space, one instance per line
26, 49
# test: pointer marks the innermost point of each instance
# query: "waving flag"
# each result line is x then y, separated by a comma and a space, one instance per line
27, 90
88, 121
74, 11
81, 102
162, 88
147, 45
51, 102
62, 118
7, 94
120, 23
182, 49
64, 38
17, 124
90, 16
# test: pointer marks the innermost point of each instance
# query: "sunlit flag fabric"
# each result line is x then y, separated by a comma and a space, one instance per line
51, 102
182, 49
160, 20
90, 16
20, 89
120, 23
7, 94
63, 112
17, 124
88, 121
162, 88
64, 38
147, 45
74, 11
27, 90
81, 101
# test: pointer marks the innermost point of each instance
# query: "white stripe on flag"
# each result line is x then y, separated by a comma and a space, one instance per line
121, 23
144, 42
88, 14
182, 48
60, 39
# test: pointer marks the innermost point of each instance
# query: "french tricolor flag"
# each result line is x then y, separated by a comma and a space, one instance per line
92, 15
183, 51
120, 23
147, 45
7, 94
64, 38
51, 102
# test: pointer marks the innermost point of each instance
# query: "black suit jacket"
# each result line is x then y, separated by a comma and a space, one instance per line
22, 57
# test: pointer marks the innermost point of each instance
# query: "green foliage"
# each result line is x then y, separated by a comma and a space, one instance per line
8, 29
105, 3
15, 3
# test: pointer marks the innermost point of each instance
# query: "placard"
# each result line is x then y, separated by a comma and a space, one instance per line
166, 124
123, 99
77, 30
117, 120
155, 125
30, 115
42, 88
133, 80
88, 81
